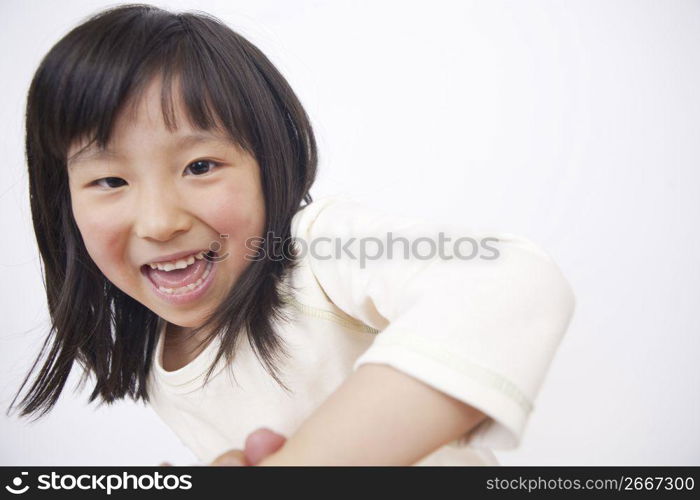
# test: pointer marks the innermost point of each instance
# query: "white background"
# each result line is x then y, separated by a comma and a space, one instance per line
573, 123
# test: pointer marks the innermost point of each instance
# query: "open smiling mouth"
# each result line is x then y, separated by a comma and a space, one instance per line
183, 280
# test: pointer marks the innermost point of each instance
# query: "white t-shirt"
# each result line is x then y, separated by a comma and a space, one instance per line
483, 330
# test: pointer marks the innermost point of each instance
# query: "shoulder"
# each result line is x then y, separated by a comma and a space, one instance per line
305, 217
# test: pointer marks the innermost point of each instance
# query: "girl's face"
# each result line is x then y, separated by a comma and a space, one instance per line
153, 194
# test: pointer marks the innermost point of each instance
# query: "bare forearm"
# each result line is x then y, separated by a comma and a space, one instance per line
378, 416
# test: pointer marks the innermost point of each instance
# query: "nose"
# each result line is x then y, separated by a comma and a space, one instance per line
161, 215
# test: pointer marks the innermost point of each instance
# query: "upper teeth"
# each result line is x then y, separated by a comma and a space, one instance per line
178, 264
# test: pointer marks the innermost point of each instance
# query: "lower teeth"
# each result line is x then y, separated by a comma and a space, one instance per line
191, 286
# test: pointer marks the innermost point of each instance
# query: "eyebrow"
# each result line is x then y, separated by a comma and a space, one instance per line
183, 142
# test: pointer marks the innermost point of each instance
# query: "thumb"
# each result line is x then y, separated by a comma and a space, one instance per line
230, 458
261, 443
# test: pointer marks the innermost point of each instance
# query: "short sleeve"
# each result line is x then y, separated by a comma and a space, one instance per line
477, 316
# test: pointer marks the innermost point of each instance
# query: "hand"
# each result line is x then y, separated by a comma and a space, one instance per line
259, 444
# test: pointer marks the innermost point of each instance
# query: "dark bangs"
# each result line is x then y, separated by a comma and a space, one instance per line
86, 80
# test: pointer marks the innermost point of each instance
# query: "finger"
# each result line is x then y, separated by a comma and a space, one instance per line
261, 443
231, 458
165, 464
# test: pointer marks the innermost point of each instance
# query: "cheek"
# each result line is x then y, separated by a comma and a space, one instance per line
104, 238
237, 210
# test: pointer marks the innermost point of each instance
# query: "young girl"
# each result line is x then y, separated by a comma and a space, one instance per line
186, 265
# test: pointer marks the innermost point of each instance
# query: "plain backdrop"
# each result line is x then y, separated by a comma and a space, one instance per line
573, 123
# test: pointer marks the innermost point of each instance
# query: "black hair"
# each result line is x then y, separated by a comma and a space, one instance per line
79, 88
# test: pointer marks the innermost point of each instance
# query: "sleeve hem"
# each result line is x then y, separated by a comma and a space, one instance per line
467, 382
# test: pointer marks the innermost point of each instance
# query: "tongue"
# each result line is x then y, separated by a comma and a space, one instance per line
178, 277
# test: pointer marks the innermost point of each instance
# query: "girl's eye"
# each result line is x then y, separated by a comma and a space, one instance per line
201, 167
111, 182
